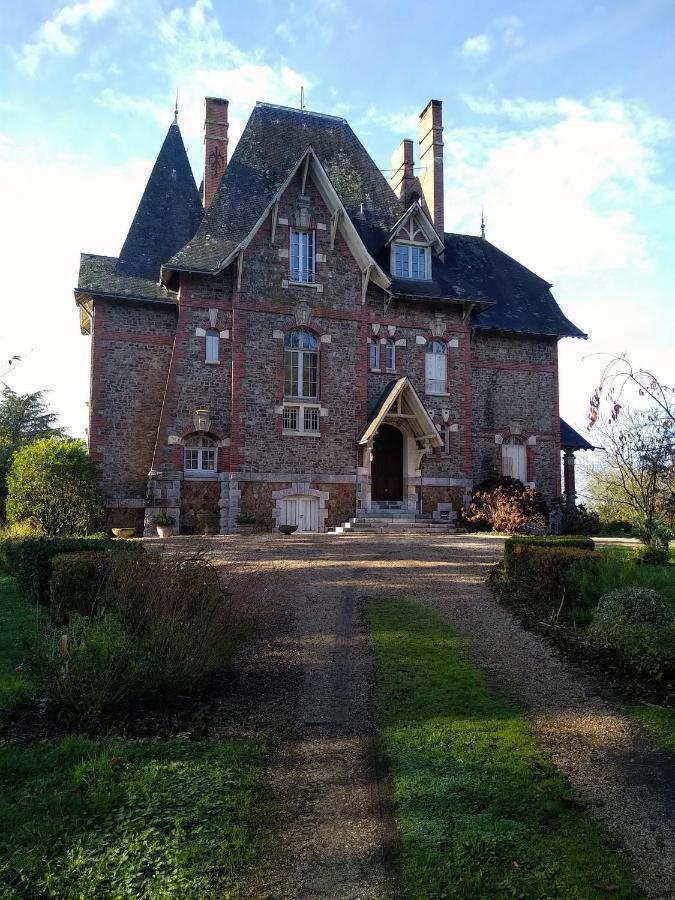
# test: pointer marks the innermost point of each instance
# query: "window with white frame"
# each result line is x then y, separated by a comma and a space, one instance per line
302, 256
301, 419
514, 458
200, 455
435, 368
212, 346
411, 261
390, 353
301, 364
375, 354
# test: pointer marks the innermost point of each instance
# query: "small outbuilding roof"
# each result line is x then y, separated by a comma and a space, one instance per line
571, 439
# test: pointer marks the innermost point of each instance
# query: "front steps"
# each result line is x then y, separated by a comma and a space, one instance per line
392, 519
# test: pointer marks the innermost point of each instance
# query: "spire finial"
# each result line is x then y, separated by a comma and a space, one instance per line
482, 222
175, 111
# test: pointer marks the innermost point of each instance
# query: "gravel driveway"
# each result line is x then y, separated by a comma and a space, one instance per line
305, 678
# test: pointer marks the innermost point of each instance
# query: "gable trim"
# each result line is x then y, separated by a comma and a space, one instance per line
427, 226
420, 420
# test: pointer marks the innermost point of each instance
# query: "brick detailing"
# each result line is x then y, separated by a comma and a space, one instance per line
215, 145
402, 178
431, 162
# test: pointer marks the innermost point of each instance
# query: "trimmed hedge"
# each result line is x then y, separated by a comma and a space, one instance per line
30, 560
537, 575
78, 583
577, 542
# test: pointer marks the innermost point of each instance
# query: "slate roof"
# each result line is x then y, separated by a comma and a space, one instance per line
167, 216
171, 229
99, 275
274, 139
571, 439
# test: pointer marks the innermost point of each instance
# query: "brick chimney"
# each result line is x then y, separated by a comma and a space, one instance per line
215, 145
431, 162
403, 175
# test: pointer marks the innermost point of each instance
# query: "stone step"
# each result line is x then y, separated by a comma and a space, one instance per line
396, 528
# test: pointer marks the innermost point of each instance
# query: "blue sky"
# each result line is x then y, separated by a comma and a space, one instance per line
559, 117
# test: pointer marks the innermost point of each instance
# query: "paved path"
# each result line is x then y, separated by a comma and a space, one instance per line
307, 680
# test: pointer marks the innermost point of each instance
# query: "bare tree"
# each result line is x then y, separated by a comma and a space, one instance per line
617, 378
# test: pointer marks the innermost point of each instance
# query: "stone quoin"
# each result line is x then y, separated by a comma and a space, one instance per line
301, 340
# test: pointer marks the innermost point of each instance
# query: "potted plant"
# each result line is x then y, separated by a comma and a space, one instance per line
245, 523
164, 524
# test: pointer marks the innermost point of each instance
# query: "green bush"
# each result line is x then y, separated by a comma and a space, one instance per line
639, 625
30, 560
535, 576
654, 555
575, 519
78, 583
552, 541
52, 484
614, 570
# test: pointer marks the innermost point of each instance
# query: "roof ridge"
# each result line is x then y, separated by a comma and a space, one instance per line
304, 112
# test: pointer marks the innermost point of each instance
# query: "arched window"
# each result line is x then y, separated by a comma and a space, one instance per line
212, 346
514, 458
301, 365
391, 356
200, 454
375, 354
435, 368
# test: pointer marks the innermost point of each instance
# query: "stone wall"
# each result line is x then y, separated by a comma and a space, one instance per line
131, 350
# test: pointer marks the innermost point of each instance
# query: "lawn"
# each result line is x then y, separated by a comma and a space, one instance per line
480, 810
18, 631
126, 819
118, 819
659, 722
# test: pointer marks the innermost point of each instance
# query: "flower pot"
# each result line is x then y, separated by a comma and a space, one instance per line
165, 531
124, 532
245, 529
288, 529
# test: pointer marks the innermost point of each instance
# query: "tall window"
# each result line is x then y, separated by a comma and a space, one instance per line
391, 356
200, 454
435, 366
301, 365
374, 354
411, 262
212, 345
302, 256
514, 458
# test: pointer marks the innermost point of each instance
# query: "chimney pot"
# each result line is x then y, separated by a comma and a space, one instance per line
215, 145
431, 162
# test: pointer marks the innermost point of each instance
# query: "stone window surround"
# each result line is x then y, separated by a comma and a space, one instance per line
300, 489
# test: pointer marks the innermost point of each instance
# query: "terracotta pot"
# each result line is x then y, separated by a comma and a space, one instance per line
165, 531
124, 532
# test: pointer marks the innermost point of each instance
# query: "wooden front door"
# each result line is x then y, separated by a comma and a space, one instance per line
387, 466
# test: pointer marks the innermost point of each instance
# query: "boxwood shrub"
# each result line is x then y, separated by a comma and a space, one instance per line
577, 542
78, 583
30, 560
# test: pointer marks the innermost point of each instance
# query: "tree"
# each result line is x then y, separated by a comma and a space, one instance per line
24, 418
52, 484
637, 474
617, 379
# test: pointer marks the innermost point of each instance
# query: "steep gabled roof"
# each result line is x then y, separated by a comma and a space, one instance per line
273, 140
401, 397
167, 216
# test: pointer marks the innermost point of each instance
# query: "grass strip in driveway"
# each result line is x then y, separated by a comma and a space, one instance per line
120, 819
480, 810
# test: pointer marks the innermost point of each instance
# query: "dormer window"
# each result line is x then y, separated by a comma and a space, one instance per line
302, 256
411, 261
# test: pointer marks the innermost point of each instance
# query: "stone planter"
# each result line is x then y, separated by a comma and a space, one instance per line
165, 531
245, 529
124, 532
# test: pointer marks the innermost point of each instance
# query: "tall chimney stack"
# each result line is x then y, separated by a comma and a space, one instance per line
215, 145
403, 170
431, 162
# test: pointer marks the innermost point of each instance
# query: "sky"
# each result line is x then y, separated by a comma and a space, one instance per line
559, 119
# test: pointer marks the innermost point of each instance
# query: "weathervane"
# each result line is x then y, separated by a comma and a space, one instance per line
175, 111
482, 223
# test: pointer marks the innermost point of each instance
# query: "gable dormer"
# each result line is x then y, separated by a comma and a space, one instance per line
414, 242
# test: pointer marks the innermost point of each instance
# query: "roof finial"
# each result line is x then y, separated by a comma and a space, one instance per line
302, 96
482, 222
175, 111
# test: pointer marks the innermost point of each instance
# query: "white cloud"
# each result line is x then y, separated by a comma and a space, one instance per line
79, 209
60, 34
477, 46
559, 182
405, 123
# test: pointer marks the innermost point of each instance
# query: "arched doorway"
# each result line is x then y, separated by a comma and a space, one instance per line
387, 465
